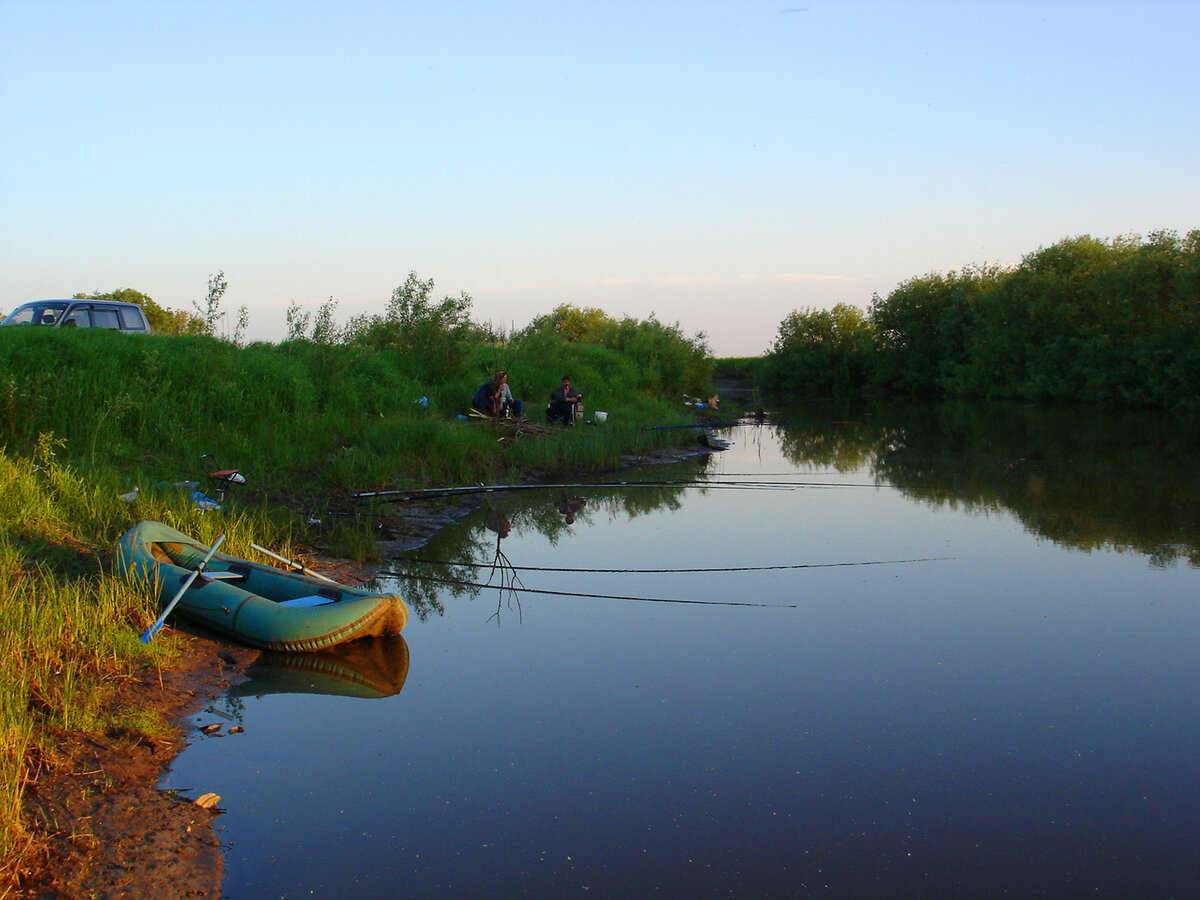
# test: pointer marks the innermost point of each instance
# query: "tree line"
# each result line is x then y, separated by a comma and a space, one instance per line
439, 336
1087, 319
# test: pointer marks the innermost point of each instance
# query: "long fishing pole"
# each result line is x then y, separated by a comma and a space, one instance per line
402, 494
485, 565
505, 587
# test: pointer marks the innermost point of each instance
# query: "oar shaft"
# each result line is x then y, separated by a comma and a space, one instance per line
149, 633
283, 559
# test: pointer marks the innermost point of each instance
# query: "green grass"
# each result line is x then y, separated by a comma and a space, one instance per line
301, 417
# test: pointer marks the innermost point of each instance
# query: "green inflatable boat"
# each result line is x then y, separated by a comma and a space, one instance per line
254, 603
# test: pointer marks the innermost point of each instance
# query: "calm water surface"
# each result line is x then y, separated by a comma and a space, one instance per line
984, 682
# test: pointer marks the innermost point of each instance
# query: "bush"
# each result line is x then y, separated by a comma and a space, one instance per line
820, 353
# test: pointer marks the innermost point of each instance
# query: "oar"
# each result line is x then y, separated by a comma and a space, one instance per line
304, 570
150, 632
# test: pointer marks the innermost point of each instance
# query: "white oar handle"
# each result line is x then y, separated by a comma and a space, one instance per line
149, 633
283, 559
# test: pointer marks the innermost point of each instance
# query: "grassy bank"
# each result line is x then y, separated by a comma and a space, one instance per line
300, 416
85, 417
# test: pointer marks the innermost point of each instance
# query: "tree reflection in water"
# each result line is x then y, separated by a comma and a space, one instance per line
1084, 477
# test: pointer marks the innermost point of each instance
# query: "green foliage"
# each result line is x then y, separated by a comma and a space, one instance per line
574, 324
1085, 319
740, 368
297, 417
414, 324
922, 329
211, 313
820, 353
664, 357
321, 328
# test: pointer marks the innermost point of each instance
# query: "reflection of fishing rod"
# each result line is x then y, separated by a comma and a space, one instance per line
500, 587
755, 422
475, 565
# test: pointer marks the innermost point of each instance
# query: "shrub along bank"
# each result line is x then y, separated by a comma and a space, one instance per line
1086, 319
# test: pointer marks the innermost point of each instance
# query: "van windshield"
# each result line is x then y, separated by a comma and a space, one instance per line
41, 313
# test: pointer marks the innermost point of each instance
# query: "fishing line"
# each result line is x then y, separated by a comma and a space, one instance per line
504, 587
485, 565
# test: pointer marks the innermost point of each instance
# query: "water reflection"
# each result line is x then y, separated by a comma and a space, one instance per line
570, 507
369, 668
465, 561
997, 716
1083, 477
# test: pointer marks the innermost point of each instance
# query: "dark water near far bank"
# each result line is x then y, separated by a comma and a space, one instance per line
984, 683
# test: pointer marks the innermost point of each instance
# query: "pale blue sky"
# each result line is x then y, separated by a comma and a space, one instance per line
717, 163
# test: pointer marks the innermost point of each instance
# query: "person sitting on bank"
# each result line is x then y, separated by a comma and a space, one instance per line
494, 398
486, 399
509, 405
563, 403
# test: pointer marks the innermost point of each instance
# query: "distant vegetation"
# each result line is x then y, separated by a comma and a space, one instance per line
1084, 320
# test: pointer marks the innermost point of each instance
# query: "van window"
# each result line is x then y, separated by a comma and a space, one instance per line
36, 314
132, 319
105, 317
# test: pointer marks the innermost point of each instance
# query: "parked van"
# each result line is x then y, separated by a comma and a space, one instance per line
128, 317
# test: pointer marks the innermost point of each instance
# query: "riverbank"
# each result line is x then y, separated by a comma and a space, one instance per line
100, 828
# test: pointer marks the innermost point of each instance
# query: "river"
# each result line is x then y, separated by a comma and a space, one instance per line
902, 651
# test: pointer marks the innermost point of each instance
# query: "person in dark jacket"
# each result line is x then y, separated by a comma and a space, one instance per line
495, 399
564, 403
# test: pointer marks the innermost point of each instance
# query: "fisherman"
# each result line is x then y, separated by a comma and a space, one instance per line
564, 403
510, 405
494, 398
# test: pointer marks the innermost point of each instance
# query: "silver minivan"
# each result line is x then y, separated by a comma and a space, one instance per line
111, 314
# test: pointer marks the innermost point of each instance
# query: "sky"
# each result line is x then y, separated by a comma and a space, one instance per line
714, 164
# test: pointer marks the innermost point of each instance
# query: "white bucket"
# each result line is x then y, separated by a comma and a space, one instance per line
601, 416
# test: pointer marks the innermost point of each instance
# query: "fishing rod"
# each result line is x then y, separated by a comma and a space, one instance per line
515, 590
401, 494
485, 565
